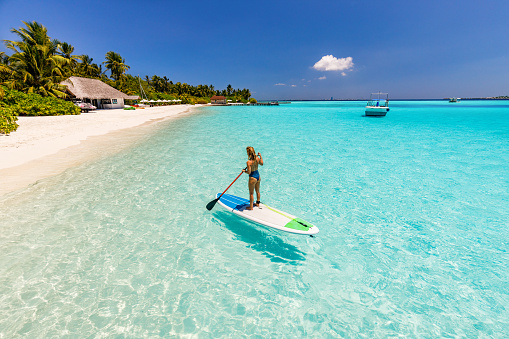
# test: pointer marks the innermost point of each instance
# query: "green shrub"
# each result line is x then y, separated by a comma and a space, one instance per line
35, 105
160, 96
185, 100
202, 101
253, 101
8, 119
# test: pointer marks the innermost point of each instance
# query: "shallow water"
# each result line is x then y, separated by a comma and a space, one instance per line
412, 211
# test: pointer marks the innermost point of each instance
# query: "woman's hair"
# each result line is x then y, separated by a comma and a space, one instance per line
251, 153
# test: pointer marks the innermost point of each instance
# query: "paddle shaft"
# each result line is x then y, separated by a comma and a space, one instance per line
219, 197
211, 204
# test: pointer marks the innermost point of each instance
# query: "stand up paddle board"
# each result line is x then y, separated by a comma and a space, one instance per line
267, 216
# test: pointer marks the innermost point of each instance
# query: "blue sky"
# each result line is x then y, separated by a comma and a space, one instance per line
411, 49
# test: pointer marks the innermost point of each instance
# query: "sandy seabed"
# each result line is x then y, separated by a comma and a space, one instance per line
46, 146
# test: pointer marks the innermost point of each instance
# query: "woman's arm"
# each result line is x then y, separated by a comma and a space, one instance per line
248, 163
261, 159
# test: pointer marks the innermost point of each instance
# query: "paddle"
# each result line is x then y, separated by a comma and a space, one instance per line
211, 204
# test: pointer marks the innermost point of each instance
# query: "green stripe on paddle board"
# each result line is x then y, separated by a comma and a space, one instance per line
299, 224
296, 223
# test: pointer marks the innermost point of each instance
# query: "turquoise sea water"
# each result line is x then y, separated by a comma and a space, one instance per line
412, 210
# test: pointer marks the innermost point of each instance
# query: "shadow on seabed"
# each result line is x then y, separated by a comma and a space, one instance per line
261, 239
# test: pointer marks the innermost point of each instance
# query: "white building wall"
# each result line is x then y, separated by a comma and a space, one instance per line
114, 103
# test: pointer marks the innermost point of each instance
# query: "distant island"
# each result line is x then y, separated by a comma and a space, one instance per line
501, 97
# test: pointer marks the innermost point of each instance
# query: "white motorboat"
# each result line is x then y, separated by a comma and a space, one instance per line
378, 105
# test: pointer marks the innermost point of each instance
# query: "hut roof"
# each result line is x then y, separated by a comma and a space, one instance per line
93, 89
217, 97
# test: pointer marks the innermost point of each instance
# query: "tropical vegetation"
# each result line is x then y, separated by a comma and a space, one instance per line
8, 119
37, 64
33, 104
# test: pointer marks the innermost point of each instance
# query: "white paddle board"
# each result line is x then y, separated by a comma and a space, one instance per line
266, 215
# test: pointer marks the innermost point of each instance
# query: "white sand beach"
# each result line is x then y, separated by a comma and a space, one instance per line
46, 146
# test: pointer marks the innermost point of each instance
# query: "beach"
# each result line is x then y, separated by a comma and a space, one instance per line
47, 145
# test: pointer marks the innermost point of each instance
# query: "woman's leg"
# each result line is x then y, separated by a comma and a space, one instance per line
251, 183
257, 188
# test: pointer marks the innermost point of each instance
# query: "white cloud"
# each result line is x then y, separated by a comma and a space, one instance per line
343, 74
322, 78
330, 63
279, 84
294, 86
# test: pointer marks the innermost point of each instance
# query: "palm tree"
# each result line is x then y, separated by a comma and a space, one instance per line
65, 50
34, 34
116, 65
101, 73
86, 63
87, 68
34, 66
3, 58
4, 67
156, 83
166, 85
178, 88
4, 70
245, 94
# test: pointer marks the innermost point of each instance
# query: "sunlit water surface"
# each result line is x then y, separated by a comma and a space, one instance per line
412, 210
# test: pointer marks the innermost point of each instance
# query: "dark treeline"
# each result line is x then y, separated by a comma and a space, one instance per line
38, 64
165, 85
156, 87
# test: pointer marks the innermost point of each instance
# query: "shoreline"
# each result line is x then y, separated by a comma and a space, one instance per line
46, 146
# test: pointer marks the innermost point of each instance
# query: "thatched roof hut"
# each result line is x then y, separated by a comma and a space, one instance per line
218, 100
82, 88
96, 91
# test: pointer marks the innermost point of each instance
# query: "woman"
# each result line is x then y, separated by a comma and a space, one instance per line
254, 176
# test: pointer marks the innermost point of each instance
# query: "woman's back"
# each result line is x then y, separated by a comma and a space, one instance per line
254, 164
